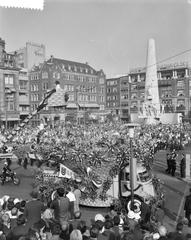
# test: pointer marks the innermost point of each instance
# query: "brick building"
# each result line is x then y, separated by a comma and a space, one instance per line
9, 88
24, 106
174, 82
113, 95
85, 86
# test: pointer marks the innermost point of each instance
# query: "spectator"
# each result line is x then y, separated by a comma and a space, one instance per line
75, 235
20, 230
183, 166
187, 208
72, 199
73, 223
115, 228
61, 206
77, 194
65, 234
162, 232
33, 209
177, 235
107, 234
94, 231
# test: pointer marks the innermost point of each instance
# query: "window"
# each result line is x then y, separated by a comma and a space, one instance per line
180, 103
101, 98
101, 81
134, 96
9, 79
44, 75
114, 89
56, 75
133, 87
22, 85
180, 93
71, 97
102, 107
125, 96
180, 83
109, 90
102, 89
10, 106
69, 88
45, 86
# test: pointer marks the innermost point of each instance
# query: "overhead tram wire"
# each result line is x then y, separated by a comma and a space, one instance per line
168, 58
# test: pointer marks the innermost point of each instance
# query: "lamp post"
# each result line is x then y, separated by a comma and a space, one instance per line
133, 170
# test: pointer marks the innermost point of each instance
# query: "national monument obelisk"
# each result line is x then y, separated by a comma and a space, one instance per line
151, 106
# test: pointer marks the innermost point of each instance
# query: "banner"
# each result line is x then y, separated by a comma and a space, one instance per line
66, 172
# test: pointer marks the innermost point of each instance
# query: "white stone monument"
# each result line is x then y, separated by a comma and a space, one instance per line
151, 106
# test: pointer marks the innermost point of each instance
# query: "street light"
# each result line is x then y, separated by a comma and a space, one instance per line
133, 161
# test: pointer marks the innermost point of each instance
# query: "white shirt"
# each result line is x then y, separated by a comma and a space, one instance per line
71, 197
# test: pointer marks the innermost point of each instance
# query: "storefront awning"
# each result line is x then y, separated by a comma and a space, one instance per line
89, 105
71, 105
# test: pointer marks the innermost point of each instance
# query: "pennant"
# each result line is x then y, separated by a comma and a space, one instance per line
66, 172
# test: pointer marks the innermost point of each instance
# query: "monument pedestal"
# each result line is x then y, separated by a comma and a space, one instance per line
151, 120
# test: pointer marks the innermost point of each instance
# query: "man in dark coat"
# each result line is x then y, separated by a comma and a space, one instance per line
61, 206
173, 162
20, 230
178, 234
187, 208
183, 166
33, 209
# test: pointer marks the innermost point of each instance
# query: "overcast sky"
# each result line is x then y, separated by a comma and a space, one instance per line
108, 34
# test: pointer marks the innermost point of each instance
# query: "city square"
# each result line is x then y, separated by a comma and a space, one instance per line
98, 150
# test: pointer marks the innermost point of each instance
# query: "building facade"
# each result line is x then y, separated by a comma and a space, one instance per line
9, 88
113, 95
24, 105
174, 82
30, 55
85, 86
124, 98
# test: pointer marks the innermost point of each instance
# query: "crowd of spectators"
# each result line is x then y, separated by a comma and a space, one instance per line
57, 220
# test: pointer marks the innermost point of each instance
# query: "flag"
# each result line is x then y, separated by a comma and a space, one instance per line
66, 172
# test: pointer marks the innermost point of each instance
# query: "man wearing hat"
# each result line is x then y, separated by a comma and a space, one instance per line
187, 208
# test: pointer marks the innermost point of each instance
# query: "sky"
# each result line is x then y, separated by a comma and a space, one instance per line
108, 34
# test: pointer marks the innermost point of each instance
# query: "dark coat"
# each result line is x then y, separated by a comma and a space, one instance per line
33, 210
187, 204
61, 208
176, 236
18, 231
